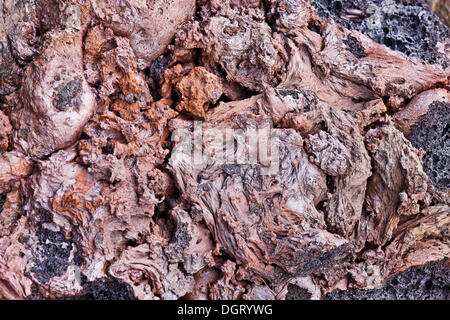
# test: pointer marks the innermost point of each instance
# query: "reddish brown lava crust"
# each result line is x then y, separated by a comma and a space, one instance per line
97, 202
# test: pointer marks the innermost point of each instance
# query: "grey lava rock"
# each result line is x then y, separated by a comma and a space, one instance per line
428, 282
408, 26
105, 289
432, 133
297, 293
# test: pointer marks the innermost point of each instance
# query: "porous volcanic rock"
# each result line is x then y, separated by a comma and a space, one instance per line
223, 149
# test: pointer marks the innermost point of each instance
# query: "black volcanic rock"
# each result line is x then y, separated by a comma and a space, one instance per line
408, 26
428, 282
432, 133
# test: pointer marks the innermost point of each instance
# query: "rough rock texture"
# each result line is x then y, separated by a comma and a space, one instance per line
149, 25
428, 282
105, 289
432, 134
242, 46
441, 8
397, 184
197, 90
407, 26
223, 150
57, 100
